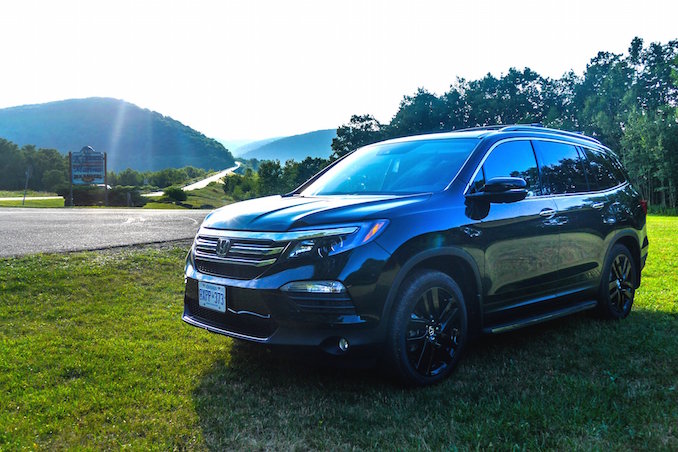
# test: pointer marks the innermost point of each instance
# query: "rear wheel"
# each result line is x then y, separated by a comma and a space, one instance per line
618, 285
428, 329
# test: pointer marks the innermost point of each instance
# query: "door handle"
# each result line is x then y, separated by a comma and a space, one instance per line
598, 205
547, 213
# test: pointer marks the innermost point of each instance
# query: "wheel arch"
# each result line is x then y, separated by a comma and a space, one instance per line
454, 262
631, 242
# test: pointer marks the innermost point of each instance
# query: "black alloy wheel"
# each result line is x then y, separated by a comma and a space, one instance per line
429, 328
432, 332
619, 286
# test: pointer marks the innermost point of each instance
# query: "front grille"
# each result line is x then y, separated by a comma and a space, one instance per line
236, 323
245, 259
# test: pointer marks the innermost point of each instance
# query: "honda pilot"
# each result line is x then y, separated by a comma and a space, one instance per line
408, 248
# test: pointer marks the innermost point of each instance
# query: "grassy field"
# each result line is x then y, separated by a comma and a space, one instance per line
94, 355
34, 203
20, 193
210, 197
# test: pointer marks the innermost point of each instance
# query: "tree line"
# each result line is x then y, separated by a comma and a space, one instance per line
48, 171
269, 177
628, 101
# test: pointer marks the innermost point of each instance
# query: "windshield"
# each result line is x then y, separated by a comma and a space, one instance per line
398, 168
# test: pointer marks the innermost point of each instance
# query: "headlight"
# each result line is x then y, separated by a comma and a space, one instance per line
335, 244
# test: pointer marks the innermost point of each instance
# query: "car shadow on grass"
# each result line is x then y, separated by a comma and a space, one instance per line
271, 399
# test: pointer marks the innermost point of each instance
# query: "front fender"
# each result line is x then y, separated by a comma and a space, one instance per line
407, 261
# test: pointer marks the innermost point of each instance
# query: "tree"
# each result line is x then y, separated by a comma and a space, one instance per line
54, 179
514, 98
296, 173
129, 177
241, 187
360, 131
422, 113
176, 194
270, 178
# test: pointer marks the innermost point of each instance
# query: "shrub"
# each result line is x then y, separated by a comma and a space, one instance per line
176, 194
90, 195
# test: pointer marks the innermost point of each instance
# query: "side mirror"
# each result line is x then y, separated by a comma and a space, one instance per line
501, 190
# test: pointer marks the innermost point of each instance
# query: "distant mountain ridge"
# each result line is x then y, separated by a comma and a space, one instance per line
133, 137
296, 147
252, 145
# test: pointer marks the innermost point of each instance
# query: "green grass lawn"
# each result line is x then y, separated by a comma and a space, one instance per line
20, 193
33, 203
93, 355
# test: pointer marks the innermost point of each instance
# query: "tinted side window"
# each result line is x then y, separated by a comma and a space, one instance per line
514, 159
617, 168
562, 168
602, 171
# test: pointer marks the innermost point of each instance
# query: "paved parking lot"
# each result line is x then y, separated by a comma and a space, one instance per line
27, 231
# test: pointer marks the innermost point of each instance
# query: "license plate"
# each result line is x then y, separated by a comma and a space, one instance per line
212, 296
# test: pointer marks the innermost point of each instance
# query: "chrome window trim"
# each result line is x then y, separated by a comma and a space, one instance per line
278, 236
506, 140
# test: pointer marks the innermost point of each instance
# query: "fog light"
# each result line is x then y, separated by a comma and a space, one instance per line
314, 287
343, 344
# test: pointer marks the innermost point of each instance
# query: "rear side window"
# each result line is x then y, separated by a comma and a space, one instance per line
602, 171
511, 159
562, 168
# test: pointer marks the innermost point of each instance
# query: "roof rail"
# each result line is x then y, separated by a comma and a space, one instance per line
531, 127
496, 127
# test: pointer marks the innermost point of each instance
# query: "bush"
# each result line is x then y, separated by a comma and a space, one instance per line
176, 194
90, 195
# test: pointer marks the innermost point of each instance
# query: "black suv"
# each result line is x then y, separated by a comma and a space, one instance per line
408, 247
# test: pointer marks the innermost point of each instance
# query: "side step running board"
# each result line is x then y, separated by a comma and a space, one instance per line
503, 328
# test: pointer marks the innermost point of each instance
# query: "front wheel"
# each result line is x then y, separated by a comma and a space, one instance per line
618, 284
429, 328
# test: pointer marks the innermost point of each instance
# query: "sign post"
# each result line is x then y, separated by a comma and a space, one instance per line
28, 175
70, 180
88, 167
105, 180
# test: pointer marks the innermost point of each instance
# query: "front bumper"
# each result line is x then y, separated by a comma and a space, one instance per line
258, 311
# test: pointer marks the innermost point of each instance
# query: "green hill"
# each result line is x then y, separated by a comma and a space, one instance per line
133, 137
296, 147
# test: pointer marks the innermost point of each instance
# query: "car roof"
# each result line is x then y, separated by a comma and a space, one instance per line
529, 130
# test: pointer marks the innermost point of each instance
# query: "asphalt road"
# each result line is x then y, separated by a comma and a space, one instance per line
28, 231
201, 183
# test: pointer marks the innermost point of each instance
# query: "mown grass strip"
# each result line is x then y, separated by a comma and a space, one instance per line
93, 355
20, 193
33, 203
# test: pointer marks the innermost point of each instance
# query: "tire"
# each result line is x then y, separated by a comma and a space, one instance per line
428, 330
618, 284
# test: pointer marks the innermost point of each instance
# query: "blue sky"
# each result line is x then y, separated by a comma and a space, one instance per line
255, 69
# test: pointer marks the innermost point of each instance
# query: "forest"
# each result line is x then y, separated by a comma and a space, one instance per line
48, 171
628, 101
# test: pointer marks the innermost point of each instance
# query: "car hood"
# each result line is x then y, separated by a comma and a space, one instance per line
282, 213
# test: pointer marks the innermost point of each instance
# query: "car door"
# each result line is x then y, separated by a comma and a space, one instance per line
519, 240
565, 178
